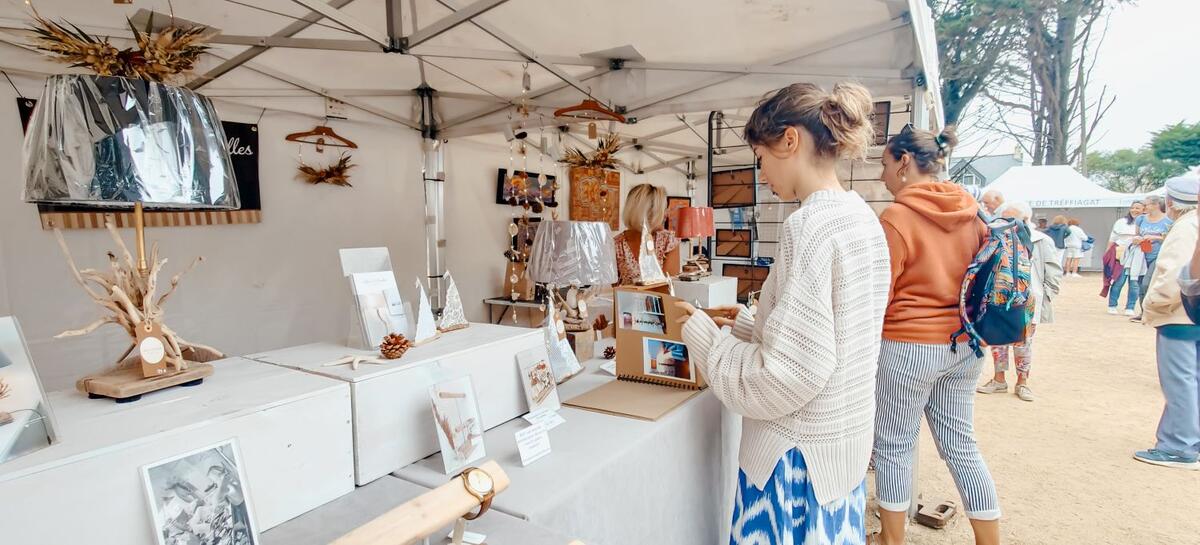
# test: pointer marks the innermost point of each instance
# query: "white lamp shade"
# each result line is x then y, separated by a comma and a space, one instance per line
573, 252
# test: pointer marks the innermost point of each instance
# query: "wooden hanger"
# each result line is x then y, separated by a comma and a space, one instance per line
589, 109
320, 137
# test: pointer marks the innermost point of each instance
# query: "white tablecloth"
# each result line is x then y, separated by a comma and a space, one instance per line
334, 519
619, 481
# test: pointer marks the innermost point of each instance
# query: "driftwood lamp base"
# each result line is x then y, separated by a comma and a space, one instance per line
127, 384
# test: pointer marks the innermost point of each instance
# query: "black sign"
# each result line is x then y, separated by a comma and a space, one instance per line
241, 140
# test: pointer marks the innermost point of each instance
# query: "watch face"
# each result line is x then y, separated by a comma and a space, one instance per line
480, 481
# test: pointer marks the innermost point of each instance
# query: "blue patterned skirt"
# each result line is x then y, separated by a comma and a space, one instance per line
786, 512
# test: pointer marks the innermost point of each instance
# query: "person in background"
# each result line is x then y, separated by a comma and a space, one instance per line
1119, 241
933, 232
801, 372
1178, 337
1042, 224
1151, 228
992, 200
1058, 233
1045, 275
1074, 247
645, 207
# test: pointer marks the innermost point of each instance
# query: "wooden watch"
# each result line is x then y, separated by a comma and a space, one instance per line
479, 484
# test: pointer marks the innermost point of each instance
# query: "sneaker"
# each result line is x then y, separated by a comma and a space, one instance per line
1129, 312
1112, 310
1166, 459
993, 387
1024, 392
1137, 318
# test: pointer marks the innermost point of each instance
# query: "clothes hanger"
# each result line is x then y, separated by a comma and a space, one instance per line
320, 137
591, 110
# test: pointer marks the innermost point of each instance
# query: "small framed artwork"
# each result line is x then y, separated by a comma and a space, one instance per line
750, 278
667, 359
459, 426
641, 311
881, 120
524, 187
537, 378
733, 243
201, 497
674, 204
733, 188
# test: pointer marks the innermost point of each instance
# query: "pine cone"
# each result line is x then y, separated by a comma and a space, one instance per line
610, 353
394, 345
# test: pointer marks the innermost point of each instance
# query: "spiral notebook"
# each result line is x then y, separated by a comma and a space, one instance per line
655, 373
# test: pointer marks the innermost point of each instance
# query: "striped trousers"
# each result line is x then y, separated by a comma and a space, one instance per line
915, 378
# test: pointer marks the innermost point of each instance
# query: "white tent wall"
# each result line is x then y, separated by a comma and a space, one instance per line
277, 283
1096, 222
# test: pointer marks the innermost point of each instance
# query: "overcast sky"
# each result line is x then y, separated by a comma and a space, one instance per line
1150, 60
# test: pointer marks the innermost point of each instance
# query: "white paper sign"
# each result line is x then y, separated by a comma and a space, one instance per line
361, 260
545, 417
379, 314
533, 443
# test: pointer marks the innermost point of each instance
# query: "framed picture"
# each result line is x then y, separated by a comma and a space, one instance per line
523, 187
596, 196
668, 359
733, 243
881, 120
537, 379
201, 497
733, 188
750, 278
459, 426
26, 423
673, 204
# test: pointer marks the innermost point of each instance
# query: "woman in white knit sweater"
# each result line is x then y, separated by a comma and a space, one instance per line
802, 371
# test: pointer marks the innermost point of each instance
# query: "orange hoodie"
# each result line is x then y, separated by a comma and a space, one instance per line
933, 233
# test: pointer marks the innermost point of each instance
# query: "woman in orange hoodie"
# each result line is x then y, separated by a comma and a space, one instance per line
933, 233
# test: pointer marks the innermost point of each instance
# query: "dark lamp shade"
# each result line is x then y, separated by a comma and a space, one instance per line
109, 141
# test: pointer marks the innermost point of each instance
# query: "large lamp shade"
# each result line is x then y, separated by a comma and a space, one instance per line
695, 222
110, 141
573, 252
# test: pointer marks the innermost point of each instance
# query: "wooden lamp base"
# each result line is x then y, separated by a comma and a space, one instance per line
127, 384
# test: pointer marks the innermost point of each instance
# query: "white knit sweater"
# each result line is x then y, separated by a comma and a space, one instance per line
803, 372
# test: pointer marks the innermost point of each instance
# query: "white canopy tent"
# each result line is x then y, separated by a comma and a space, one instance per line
1054, 190
652, 61
1057, 186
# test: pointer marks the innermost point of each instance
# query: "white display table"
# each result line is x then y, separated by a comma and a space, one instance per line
618, 481
333, 520
708, 292
393, 421
293, 431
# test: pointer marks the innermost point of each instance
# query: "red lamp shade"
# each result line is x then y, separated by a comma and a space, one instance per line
695, 222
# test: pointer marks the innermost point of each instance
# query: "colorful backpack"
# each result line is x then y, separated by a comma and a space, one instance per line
994, 303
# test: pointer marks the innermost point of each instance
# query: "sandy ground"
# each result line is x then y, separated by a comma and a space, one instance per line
1062, 463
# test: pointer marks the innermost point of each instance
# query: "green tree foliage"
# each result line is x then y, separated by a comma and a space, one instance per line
1132, 171
1179, 142
974, 38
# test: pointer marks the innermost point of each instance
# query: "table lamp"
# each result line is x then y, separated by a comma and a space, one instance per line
102, 141
573, 256
695, 223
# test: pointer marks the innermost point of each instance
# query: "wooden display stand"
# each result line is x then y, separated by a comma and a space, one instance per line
127, 384
425, 515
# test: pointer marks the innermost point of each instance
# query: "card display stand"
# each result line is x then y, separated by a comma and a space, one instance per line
293, 431
393, 422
